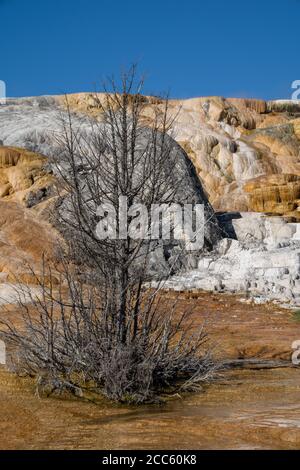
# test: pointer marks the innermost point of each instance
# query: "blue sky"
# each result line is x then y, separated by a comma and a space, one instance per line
189, 47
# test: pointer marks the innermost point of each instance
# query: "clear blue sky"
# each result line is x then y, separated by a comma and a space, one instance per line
190, 47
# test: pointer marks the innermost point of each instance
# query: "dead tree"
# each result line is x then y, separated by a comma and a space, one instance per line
102, 325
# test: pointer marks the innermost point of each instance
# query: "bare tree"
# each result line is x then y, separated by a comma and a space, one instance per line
101, 327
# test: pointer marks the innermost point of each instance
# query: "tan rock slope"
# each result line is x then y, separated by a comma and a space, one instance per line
23, 176
232, 142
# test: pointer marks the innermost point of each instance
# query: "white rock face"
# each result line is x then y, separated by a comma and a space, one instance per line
255, 227
25, 122
12, 293
263, 263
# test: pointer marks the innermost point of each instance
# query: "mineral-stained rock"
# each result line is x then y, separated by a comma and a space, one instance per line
277, 194
23, 176
289, 106
230, 141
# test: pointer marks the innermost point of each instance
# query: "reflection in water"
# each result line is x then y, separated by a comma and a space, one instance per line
130, 415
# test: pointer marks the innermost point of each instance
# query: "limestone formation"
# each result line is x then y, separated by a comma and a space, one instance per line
263, 262
24, 176
246, 154
28, 179
275, 194
230, 141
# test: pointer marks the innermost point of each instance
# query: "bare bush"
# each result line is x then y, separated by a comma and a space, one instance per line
68, 341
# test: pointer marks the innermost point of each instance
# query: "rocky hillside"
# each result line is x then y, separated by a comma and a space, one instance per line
28, 131
246, 152
238, 147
